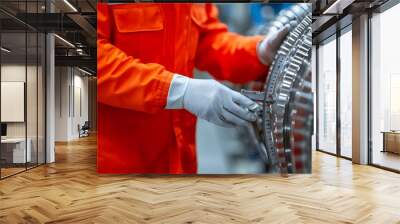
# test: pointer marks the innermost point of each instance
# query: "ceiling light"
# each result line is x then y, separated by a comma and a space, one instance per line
70, 5
84, 71
65, 41
5, 50
337, 7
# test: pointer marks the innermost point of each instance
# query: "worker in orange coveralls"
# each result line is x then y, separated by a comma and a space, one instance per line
147, 99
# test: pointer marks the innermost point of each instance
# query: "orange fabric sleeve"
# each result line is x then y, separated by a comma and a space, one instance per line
226, 55
123, 81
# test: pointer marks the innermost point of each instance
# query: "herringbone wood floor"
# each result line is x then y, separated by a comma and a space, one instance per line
70, 191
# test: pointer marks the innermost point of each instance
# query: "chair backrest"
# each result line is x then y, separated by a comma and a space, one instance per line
86, 125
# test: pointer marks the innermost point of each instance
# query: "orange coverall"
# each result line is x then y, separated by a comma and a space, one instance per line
139, 48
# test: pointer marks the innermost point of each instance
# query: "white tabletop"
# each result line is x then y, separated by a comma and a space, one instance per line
13, 140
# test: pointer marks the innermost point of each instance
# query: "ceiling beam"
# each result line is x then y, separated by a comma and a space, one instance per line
81, 61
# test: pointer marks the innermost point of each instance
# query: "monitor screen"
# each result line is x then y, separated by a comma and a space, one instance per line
3, 129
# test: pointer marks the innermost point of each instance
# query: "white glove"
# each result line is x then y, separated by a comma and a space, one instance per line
210, 100
268, 47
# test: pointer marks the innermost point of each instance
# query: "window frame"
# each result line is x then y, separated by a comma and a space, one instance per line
333, 37
381, 9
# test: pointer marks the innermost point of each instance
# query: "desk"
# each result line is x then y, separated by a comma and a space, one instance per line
391, 141
13, 150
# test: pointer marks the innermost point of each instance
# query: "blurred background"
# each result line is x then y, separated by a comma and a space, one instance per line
231, 150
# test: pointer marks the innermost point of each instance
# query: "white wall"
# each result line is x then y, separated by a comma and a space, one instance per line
12, 73
33, 127
71, 93
80, 84
62, 82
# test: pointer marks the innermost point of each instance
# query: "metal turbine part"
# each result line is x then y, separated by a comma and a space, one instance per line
292, 15
282, 75
284, 128
300, 117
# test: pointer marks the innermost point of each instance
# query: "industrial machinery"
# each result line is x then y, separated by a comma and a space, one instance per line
284, 128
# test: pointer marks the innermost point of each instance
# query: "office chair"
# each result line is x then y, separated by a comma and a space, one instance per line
84, 130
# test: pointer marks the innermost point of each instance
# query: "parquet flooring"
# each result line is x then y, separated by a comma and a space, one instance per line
70, 191
10, 171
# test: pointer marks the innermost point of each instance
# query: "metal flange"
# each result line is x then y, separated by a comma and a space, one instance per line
284, 128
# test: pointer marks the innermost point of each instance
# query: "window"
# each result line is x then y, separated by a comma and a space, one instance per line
346, 93
327, 96
385, 89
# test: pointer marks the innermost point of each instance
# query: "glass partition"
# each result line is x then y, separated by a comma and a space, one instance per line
22, 89
15, 149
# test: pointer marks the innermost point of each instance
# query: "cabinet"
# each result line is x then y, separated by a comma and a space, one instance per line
391, 142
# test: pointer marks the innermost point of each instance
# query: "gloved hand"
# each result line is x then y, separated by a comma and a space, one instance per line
210, 100
268, 47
